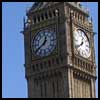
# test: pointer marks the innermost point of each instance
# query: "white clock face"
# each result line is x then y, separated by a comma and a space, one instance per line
81, 43
44, 43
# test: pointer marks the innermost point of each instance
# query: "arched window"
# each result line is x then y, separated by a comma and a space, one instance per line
57, 60
50, 15
38, 18
41, 65
37, 67
33, 68
49, 62
54, 14
42, 16
34, 19
46, 16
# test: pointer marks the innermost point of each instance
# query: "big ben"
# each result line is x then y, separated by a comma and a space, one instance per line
59, 51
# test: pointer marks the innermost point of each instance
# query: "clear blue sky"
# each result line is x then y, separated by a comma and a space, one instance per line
14, 84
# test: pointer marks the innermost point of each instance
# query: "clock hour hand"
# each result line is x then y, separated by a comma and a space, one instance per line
81, 43
41, 45
77, 46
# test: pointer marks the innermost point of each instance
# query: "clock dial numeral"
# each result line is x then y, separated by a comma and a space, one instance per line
86, 49
87, 46
46, 33
83, 52
80, 33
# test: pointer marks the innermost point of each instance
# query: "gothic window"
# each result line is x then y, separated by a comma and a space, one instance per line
49, 62
78, 16
45, 64
91, 67
37, 67
75, 61
78, 61
45, 86
33, 67
54, 14
53, 86
57, 60
41, 65
46, 16
83, 63
62, 58
42, 16
57, 87
86, 65
38, 18
34, 19
53, 61
50, 15
41, 88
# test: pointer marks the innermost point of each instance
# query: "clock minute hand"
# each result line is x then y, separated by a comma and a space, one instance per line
44, 41
38, 49
41, 45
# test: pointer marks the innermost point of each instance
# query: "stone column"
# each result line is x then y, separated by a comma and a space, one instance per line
80, 88
60, 82
31, 88
55, 85
48, 87
35, 88
93, 88
43, 87
33, 83
38, 89
66, 83
51, 86
58, 86
72, 81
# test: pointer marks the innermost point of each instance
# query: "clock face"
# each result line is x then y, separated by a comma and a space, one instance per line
81, 43
44, 43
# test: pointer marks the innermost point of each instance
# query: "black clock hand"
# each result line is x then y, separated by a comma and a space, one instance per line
77, 46
44, 41
81, 43
41, 45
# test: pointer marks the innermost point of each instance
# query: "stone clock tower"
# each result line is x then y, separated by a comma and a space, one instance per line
59, 51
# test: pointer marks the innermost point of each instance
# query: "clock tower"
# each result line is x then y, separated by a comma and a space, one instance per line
59, 51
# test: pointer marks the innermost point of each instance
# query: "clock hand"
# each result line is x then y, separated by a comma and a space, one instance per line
81, 43
41, 45
77, 46
44, 41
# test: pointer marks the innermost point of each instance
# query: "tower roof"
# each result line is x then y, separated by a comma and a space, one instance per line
40, 5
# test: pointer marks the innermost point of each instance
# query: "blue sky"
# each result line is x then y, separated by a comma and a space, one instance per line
14, 84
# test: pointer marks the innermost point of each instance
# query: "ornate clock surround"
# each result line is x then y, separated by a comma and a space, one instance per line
88, 35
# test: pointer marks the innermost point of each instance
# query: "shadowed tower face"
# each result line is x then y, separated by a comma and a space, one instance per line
59, 51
